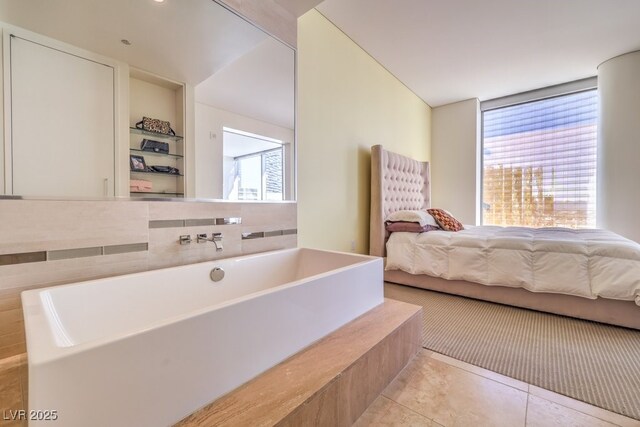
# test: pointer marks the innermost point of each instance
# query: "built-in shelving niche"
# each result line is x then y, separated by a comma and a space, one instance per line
158, 98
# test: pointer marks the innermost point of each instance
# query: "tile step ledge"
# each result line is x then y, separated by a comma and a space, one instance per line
331, 382
13, 361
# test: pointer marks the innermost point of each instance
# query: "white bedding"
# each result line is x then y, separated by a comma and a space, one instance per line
585, 263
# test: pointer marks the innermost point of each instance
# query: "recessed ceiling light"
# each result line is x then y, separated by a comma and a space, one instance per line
159, 1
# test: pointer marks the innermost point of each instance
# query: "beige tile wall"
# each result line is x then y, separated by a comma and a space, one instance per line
41, 225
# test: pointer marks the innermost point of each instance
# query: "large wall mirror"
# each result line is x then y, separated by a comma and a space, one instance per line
146, 98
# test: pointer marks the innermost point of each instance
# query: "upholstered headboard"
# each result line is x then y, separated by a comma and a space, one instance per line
397, 183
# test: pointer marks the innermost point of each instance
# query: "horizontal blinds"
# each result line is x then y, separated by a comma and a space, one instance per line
539, 162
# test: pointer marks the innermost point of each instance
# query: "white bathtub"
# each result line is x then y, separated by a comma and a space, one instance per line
148, 349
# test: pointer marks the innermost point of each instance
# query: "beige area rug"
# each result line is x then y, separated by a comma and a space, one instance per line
589, 361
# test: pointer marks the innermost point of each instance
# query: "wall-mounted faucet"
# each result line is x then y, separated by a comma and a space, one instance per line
216, 239
185, 239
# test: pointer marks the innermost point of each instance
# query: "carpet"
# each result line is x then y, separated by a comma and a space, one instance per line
589, 361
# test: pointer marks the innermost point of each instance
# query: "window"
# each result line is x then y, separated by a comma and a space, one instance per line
253, 166
259, 176
539, 162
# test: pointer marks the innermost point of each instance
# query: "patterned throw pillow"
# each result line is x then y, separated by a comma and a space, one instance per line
445, 221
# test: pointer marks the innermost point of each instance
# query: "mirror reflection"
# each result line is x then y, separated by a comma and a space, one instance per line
255, 166
144, 99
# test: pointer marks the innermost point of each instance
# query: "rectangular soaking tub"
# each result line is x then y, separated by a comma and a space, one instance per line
150, 348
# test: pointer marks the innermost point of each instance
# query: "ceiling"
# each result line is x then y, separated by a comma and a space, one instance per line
184, 40
295, 7
233, 65
236, 145
259, 84
448, 51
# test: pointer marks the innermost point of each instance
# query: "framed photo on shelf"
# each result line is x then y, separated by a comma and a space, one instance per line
137, 163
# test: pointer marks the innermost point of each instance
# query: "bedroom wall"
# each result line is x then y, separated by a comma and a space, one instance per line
347, 102
454, 159
618, 147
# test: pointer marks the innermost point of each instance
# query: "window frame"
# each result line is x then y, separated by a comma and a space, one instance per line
262, 154
549, 92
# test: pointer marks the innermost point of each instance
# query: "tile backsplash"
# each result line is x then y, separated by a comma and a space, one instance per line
45, 243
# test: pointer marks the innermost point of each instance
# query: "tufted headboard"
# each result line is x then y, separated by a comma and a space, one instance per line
397, 183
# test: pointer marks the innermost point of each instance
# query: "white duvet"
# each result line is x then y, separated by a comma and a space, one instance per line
585, 263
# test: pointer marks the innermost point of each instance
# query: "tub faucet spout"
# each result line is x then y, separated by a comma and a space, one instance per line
216, 239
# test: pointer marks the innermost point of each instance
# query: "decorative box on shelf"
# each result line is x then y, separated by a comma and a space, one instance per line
140, 185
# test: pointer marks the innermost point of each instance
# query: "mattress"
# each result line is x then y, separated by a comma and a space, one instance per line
585, 263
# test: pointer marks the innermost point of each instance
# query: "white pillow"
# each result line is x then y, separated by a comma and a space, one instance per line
421, 217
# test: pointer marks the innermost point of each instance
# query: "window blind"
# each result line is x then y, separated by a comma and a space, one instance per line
539, 162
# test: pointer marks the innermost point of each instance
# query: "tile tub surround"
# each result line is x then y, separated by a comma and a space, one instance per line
332, 382
101, 228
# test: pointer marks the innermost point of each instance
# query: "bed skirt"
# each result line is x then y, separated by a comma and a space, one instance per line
614, 312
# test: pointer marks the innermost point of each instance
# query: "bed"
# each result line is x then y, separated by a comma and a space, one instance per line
401, 183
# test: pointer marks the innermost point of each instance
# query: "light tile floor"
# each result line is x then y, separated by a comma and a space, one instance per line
436, 390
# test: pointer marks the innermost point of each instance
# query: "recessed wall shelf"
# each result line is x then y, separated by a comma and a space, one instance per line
155, 96
176, 138
158, 173
153, 153
151, 192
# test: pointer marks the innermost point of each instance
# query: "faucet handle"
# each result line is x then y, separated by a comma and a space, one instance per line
185, 239
217, 240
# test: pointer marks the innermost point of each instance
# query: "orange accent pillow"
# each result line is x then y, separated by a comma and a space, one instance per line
445, 221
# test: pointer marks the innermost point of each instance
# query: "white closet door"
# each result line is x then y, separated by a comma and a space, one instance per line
62, 123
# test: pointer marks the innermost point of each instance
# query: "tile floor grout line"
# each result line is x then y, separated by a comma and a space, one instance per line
412, 410
528, 392
579, 411
477, 374
548, 399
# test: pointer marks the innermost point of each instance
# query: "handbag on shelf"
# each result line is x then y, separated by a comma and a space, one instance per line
154, 146
155, 125
165, 169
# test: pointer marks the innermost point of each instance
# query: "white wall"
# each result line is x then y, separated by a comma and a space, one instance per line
455, 181
208, 147
619, 145
152, 100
